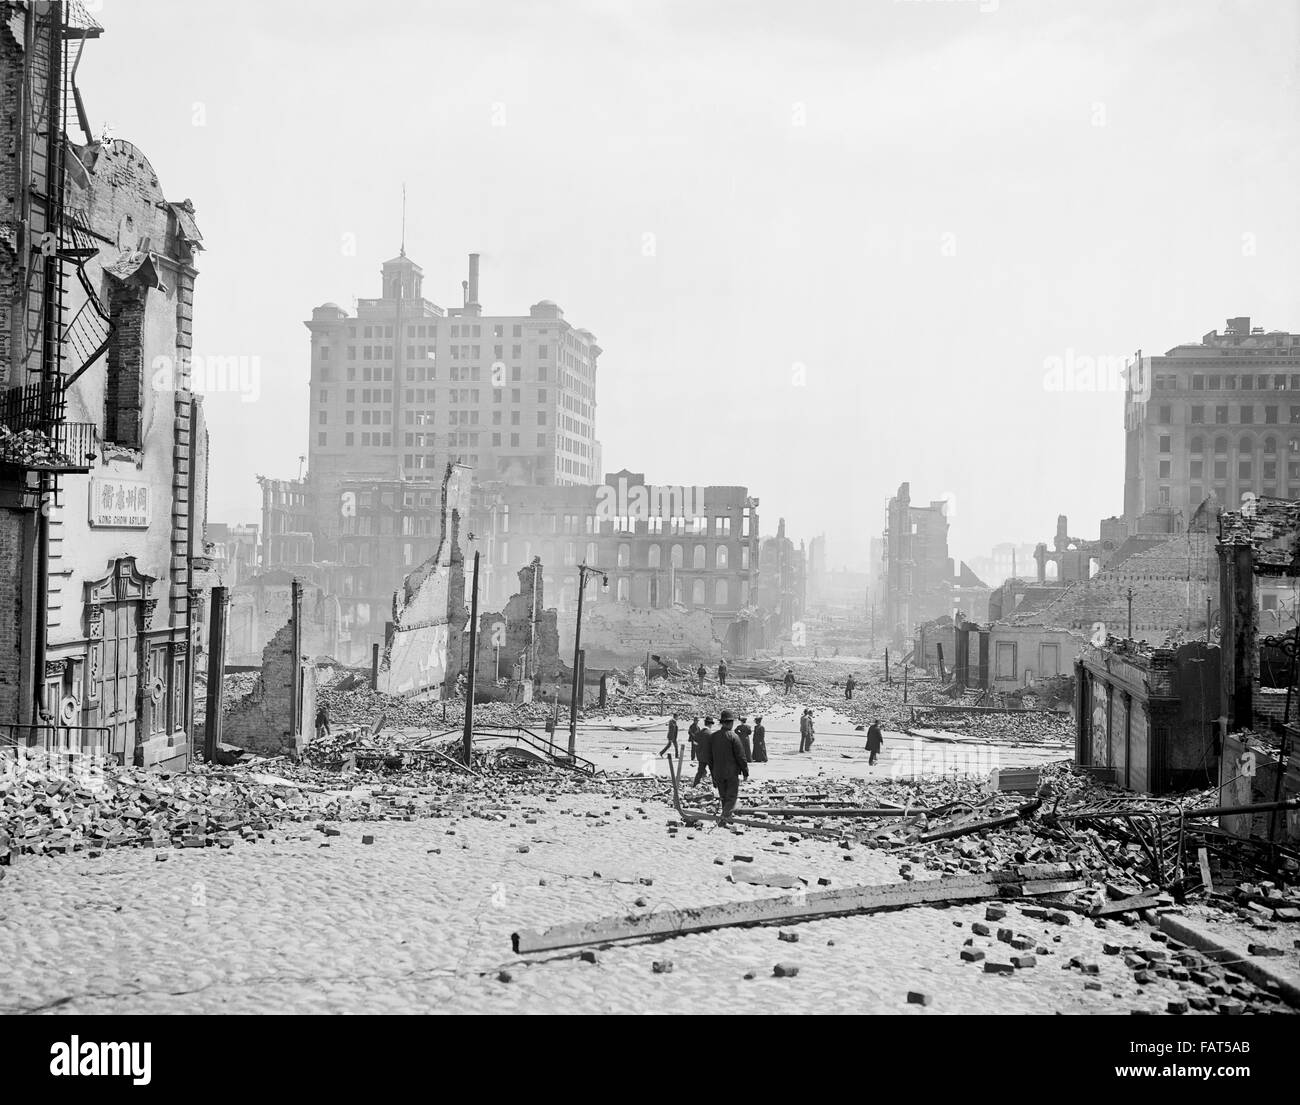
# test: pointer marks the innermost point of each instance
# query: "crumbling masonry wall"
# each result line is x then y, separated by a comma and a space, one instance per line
513, 632
263, 720
265, 602
429, 611
615, 634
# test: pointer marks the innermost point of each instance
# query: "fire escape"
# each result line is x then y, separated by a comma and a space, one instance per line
37, 443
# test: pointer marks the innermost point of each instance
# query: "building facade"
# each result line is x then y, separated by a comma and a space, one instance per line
404, 387
1220, 418
103, 451
662, 547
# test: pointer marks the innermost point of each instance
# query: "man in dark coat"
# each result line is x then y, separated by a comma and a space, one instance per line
699, 674
849, 684
742, 731
789, 680
875, 738
727, 764
672, 738
694, 734
722, 673
760, 742
702, 750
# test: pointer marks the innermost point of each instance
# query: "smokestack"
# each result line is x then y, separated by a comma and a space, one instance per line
473, 280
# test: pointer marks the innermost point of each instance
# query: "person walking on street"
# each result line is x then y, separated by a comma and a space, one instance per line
693, 733
743, 731
672, 738
722, 673
727, 765
789, 680
702, 750
760, 742
875, 738
849, 684
803, 731
700, 673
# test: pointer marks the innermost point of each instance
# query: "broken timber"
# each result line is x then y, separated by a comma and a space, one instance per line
964, 827
1012, 883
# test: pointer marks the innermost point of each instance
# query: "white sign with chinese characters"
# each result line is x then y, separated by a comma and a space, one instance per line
126, 503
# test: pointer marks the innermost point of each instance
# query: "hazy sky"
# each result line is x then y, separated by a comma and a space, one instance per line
826, 247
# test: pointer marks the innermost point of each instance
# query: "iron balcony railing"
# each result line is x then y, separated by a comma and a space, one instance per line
26, 443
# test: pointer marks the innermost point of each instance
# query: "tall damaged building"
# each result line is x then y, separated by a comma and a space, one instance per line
103, 450
918, 579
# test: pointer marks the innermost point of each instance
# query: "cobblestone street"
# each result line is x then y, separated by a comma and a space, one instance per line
420, 921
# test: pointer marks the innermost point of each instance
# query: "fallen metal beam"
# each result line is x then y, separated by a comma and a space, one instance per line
835, 811
1262, 807
1014, 882
968, 827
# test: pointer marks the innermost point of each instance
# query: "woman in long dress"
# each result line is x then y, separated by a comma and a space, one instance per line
760, 742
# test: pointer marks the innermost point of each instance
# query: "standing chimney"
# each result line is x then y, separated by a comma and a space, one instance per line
473, 281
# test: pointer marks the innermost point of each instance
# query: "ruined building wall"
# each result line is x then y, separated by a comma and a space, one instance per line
512, 630
258, 608
263, 719
429, 610
615, 634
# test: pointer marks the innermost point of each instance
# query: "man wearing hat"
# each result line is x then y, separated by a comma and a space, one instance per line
727, 763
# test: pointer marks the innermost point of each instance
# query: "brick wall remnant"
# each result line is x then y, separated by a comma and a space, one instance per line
526, 634
262, 719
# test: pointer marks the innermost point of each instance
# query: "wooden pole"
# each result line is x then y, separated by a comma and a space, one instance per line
467, 746
216, 673
374, 666
295, 672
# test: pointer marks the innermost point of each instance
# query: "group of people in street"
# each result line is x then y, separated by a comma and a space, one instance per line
727, 751
753, 740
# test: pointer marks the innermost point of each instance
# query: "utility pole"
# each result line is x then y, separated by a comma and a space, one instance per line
467, 747
295, 672
1130, 613
1284, 752
216, 672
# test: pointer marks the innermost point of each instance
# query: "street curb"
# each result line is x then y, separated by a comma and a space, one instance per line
1286, 985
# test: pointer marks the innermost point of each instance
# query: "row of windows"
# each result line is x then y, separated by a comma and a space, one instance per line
1214, 381
424, 440
702, 526
429, 395
430, 352
623, 556
429, 371
1243, 444
1222, 415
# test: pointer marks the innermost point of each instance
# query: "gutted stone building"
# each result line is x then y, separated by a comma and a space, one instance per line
103, 449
